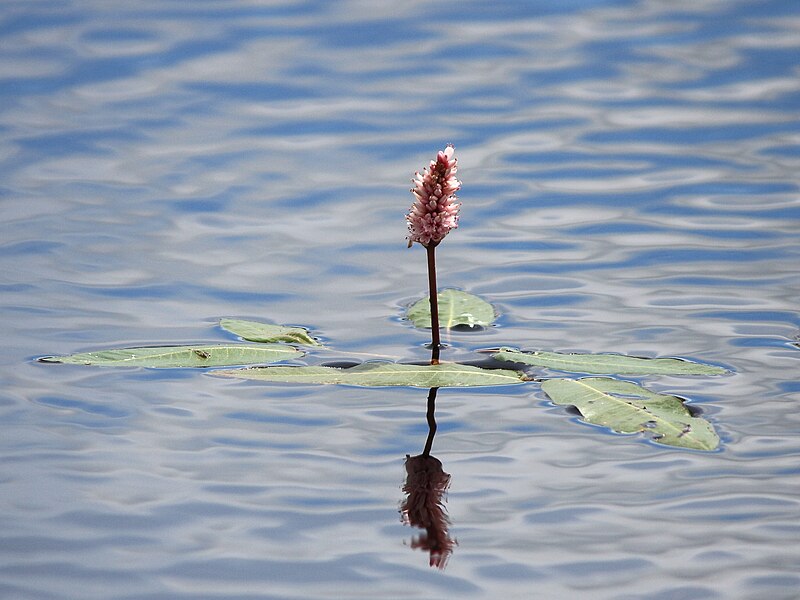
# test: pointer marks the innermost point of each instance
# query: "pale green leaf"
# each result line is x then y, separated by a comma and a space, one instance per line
455, 308
379, 374
182, 356
253, 331
629, 408
609, 364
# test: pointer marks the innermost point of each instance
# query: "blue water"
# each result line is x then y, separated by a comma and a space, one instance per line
630, 184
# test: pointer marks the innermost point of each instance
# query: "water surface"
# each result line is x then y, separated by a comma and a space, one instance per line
630, 185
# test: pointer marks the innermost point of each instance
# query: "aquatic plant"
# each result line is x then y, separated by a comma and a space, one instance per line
432, 216
621, 406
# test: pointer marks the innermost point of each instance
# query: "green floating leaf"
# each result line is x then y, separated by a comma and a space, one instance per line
609, 364
629, 408
455, 308
181, 356
377, 374
253, 331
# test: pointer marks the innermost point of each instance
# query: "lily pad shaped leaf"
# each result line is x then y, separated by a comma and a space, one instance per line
455, 308
253, 331
379, 374
629, 408
608, 364
181, 356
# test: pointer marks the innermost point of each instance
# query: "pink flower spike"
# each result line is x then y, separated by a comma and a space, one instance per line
435, 209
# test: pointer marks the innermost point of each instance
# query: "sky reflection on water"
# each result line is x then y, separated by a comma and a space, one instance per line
630, 185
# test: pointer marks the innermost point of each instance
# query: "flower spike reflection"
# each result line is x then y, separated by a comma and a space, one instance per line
426, 483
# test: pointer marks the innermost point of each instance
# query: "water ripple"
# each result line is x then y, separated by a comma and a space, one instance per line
630, 185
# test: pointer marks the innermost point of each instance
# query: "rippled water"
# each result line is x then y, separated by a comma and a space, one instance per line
630, 185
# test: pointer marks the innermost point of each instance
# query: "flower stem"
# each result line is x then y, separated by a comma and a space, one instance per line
434, 298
